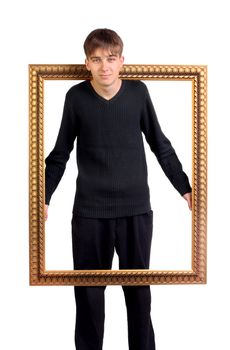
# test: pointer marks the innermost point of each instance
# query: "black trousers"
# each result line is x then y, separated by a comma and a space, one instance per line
94, 242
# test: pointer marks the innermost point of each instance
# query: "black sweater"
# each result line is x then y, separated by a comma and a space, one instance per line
112, 170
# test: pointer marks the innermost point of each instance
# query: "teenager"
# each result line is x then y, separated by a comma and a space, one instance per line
111, 210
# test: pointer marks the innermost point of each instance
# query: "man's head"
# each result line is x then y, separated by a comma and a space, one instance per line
103, 49
105, 39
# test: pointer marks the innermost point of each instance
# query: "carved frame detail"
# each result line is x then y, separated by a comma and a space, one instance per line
38, 274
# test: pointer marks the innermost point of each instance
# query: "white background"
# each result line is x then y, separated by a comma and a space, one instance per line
154, 32
171, 243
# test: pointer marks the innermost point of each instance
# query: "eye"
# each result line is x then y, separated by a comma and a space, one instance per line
111, 59
96, 60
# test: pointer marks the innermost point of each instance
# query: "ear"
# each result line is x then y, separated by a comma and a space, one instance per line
121, 61
87, 64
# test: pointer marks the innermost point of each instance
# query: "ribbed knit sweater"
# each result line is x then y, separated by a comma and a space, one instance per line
112, 169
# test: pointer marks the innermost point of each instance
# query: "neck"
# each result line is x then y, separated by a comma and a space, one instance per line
107, 92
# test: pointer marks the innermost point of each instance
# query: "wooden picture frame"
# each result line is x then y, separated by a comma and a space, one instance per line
39, 275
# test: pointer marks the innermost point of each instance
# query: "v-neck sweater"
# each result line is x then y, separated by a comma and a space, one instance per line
112, 170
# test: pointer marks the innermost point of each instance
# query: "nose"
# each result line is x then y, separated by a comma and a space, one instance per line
104, 64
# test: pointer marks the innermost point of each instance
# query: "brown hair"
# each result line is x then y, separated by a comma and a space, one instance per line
103, 38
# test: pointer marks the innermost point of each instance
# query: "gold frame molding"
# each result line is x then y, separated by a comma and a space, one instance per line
38, 274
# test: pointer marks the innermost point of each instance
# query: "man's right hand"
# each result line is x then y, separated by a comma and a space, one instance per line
46, 211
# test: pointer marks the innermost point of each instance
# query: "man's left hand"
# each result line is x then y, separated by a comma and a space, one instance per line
188, 198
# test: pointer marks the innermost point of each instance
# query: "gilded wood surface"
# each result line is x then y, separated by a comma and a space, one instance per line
38, 274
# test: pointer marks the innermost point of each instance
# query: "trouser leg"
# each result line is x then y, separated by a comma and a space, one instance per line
133, 243
140, 329
89, 329
93, 248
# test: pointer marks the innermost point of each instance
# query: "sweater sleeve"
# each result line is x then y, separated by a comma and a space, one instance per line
57, 159
162, 148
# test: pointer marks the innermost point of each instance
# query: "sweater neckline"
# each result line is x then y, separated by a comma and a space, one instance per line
119, 92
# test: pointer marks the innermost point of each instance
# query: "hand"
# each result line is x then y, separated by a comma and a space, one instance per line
46, 211
188, 198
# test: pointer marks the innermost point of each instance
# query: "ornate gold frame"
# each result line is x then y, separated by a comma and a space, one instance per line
38, 274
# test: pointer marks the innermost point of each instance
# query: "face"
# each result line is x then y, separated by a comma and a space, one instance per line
104, 67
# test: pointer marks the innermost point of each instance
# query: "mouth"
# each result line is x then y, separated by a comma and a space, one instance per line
104, 76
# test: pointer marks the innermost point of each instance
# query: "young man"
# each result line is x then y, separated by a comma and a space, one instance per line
112, 208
